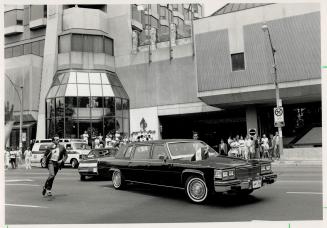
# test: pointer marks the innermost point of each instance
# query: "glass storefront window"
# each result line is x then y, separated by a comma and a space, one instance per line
96, 90
82, 77
125, 126
70, 106
95, 78
71, 90
109, 106
107, 91
71, 128
119, 108
60, 127
109, 125
72, 77
50, 108
60, 107
51, 127
125, 108
83, 101
83, 90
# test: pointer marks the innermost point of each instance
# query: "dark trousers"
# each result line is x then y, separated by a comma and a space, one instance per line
53, 168
13, 163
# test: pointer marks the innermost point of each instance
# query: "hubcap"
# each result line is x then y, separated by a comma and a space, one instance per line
117, 179
197, 189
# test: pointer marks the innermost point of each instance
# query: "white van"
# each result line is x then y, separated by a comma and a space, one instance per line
76, 148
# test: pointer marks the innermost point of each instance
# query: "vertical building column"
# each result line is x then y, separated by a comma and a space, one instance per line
251, 118
49, 63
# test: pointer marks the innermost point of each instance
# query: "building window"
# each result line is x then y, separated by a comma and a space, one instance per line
175, 7
38, 11
8, 52
35, 48
238, 61
86, 43
13, 17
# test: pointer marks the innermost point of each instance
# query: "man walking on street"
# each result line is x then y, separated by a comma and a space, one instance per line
276, 147
28, 156
55, 158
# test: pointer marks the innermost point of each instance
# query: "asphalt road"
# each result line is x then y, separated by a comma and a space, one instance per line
296, 196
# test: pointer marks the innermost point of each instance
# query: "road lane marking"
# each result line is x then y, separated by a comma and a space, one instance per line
298, 181
23, 185
23, 205
310, 193
19, 180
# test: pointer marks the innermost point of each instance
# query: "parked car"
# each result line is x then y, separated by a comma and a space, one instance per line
89, 165
174, 163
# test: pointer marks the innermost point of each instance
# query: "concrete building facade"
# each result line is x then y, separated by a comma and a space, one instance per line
137, 68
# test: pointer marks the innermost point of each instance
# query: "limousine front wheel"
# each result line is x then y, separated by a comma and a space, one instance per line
196, 189
118, 180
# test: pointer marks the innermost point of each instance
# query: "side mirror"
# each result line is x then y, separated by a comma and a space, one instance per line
162, 157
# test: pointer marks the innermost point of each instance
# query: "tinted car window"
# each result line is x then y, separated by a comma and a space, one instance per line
128, 152
158, 150
142, 152
45, 146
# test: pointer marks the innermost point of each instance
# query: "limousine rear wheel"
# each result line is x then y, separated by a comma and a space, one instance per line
118, 180
196, 189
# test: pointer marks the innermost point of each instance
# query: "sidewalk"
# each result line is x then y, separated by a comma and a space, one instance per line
297, 163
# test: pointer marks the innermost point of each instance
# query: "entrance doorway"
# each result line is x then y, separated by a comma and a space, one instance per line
210, 126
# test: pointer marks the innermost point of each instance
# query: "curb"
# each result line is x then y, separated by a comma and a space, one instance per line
297, 163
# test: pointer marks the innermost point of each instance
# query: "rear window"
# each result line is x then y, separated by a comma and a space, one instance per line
44, 147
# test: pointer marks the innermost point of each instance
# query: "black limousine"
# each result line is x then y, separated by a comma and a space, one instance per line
190, 165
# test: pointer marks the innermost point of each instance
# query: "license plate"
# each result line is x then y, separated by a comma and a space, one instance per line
256, 184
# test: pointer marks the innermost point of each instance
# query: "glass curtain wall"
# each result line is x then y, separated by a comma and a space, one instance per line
94, 102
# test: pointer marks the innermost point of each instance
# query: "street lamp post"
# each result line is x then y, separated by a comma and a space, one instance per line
20, 97
278, 100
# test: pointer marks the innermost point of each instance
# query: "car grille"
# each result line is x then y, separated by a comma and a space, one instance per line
247, 172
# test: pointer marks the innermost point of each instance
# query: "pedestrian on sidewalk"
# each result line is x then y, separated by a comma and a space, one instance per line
13, 158
7, 157
55, 158
28, 157
223, 148
276, 147
265, 146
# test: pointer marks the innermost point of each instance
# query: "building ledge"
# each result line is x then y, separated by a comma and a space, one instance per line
15, 29
38, 23
164, 22
178, 14
137, 25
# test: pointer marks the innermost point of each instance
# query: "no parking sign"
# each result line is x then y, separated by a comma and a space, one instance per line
279, 117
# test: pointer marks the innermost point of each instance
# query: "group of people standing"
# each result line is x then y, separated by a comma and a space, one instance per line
251, 147
111, 140
14, 157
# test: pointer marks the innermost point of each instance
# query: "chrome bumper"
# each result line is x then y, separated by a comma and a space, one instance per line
230, 185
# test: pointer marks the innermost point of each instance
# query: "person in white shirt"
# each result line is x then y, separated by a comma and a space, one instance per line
248, 146
28, 157
86, 136
265, 146
242, 147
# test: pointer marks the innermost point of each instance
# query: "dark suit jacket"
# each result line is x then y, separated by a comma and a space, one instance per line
62, 155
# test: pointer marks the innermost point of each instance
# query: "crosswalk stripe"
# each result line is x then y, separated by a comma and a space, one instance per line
19, 180
23, 185
310, 193
23, 205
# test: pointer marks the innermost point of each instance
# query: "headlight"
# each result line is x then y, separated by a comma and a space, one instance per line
225, 174
265, 168
218, 174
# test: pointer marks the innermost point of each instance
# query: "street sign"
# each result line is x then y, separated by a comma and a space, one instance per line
279, 117
24, 136
252, 131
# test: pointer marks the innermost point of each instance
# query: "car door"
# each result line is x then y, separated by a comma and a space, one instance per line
138, 163
161, 171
